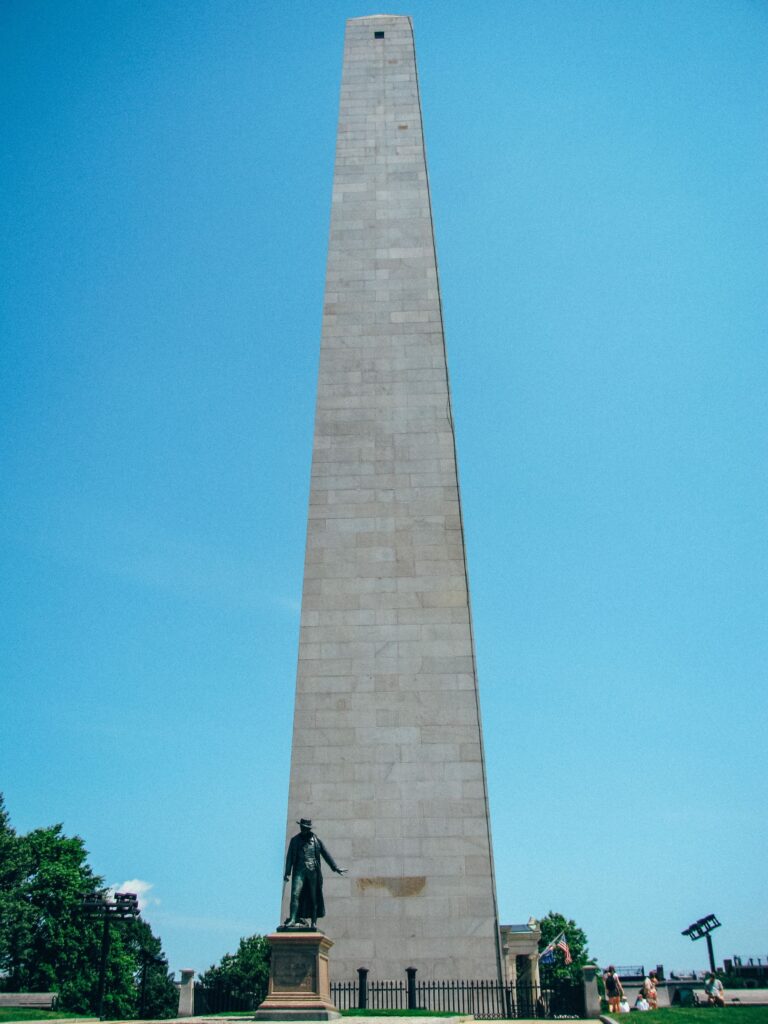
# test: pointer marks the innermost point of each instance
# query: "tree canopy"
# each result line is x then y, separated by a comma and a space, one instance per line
551, 926
48, 945
243, 975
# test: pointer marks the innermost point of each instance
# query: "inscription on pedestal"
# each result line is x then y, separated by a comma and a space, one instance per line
295, 971
299, 985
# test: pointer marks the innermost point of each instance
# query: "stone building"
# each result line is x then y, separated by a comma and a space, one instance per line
520, 948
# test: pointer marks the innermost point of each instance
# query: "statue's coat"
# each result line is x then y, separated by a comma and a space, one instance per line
291, 861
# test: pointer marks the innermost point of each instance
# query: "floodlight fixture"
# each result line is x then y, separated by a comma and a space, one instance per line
700, 930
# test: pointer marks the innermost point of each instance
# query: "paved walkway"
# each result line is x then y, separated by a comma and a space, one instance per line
458, 1019
241, 1019
245, 1019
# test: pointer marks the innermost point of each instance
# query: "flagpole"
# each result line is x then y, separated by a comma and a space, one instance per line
551, 945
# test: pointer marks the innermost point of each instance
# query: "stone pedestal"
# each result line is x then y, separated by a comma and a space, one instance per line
299, 980
591, 993
187, 993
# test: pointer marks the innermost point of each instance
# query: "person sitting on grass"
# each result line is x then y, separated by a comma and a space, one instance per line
649, 990
714, 989
641, 1003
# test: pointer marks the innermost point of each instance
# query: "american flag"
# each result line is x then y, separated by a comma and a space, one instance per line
562, 944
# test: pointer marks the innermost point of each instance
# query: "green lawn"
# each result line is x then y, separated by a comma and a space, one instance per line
364, 1013
25, 1013
399, 1013
698, 1015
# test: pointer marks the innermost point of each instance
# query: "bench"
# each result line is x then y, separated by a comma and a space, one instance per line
31, 1000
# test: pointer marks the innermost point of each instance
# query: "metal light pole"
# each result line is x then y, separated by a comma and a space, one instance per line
120, 907
147, 959
701, 929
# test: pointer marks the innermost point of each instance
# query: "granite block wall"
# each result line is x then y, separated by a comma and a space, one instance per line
387, 754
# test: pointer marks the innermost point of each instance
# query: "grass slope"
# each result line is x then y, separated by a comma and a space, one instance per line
698, 1015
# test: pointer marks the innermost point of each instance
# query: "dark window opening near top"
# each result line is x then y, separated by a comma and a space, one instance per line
378, 35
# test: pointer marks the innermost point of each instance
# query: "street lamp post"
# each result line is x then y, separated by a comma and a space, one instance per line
121, 906
701, 929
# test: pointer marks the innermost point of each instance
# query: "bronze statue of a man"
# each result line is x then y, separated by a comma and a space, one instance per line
305, 851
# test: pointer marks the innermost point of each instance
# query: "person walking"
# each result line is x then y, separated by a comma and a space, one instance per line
613, 989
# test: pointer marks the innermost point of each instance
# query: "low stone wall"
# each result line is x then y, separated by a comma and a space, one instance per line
746, 996
665, 993
31, 1000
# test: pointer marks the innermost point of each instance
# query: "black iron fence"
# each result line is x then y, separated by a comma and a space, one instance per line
372, 995
222, 998
485, 1000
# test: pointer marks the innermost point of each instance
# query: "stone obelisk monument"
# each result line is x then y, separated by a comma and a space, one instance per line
387, 748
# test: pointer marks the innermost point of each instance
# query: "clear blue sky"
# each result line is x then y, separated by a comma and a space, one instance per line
598, 175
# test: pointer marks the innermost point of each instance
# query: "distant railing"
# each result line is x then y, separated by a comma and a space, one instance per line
628, 973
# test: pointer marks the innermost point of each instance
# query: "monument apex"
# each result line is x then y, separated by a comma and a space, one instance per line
387, 754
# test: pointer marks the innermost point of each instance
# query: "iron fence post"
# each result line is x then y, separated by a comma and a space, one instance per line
411, 972
362, 988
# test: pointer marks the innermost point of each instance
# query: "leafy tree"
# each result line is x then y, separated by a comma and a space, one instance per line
551, 926
11, 905
44, 941
158, 997
48, 945
137, 968
242, 975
